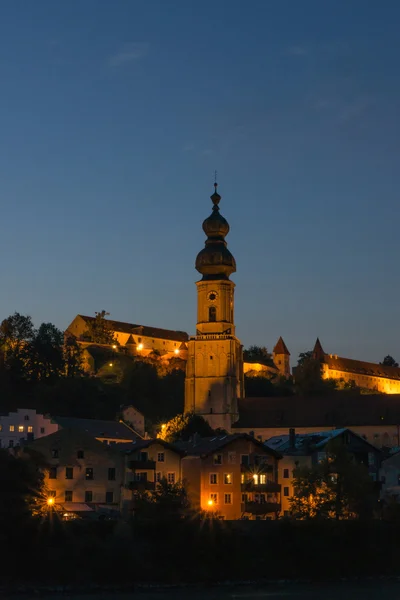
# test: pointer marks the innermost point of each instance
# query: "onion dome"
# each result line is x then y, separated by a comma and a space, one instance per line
215, 261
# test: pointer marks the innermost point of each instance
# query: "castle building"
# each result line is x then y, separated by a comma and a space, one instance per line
214, 369
131, 339
365, 375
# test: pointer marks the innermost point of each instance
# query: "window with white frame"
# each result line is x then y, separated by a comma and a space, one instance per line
213, 478
160, 457
214, 498
171, 477
227, 498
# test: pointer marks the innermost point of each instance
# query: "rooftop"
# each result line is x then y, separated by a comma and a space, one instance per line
155, 332
341, 409
98, 428
199, 446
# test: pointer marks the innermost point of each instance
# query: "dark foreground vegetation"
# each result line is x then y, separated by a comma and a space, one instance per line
80, 553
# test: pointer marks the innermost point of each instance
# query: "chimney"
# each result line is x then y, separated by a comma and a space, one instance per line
292, 438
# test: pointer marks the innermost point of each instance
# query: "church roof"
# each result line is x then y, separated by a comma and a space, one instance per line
341, 409
338, 363
280, 347
155, 332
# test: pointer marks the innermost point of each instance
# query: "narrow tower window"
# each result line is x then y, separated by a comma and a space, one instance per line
212, 314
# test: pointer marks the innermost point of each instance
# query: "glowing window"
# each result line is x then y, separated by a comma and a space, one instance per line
20, 428
12, 428
30, 429
228, 478
263, 479
217, 459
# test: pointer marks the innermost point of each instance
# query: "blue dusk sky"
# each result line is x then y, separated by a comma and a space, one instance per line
114, 115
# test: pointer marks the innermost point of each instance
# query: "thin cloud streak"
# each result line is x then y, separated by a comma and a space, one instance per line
128, 53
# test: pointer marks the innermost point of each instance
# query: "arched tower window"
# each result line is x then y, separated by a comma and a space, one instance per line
212, 314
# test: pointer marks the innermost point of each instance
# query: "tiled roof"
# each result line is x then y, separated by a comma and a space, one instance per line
165, 334
280, 347
337, 410
203, 446
143, 444
97, 428
307, 443
338, 363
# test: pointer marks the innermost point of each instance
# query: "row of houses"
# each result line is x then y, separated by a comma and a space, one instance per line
96, 467
234, 476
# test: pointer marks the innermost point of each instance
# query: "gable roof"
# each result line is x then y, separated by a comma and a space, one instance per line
59, 438
98, 428
156, 332
143, 444
280, 347
199, 446
337, 410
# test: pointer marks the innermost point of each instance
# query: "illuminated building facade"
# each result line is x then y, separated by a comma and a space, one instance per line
214, 369
133, 340
83, 474
365, 375
234, 476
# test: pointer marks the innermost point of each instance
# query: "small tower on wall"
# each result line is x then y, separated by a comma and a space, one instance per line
281, 356
214, 369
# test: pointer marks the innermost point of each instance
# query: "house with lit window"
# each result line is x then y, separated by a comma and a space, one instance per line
232, 476
147, 462
22, 425
306, 450
83, 475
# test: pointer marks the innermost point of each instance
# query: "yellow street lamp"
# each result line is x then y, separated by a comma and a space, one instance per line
140, 347
50, 501
110, 365
210, 503
176, 350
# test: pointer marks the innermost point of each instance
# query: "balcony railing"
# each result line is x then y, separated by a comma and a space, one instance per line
262, 468
260, 508
269, 486
141, 486
142, 465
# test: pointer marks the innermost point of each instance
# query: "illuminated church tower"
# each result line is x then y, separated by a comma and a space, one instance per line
214, 371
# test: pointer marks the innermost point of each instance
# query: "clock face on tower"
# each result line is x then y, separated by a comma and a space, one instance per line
212, 296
